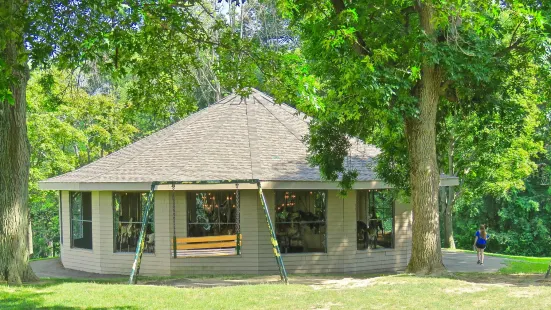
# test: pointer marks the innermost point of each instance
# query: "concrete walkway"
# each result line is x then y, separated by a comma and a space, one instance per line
466, 262
52, 268
454, 262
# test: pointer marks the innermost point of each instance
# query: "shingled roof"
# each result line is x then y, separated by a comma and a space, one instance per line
235, 138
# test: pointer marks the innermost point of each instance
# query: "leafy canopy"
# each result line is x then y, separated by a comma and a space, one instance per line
358, 71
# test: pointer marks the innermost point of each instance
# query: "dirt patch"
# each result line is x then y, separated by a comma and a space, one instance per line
465, 289
525, 294
213, 282
315, 282
345, 283
327, 306
392, 282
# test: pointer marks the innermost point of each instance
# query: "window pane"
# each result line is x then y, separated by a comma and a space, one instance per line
127, 218
211, 213
77, 229
87, 206
76, 205
82, 236
81, 219
300, 221
375, 219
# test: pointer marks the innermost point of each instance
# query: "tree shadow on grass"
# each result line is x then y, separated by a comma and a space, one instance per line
518, 280
35, 300
34, 295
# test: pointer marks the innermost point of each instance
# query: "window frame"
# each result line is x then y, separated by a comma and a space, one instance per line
359, 204
141, 206
325, 219
71, 206
190, 198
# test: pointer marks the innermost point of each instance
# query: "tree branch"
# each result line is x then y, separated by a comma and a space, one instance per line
407, 12
505, 51
444, 87
360, 45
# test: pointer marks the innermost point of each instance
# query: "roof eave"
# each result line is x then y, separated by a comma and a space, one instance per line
271, 184
88, 186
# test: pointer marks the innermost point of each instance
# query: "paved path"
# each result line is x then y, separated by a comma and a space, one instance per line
454, 261
466, 262
52, 268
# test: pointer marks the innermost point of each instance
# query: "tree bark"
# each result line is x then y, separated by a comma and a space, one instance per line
14, 160
426, 256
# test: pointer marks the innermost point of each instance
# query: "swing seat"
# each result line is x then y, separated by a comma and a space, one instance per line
207, 246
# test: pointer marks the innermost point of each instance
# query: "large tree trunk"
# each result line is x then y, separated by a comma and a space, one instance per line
14, 163
426, 256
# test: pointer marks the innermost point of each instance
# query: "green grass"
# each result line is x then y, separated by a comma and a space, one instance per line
388, 292
524, 264
43, 258
516, 267
519, 264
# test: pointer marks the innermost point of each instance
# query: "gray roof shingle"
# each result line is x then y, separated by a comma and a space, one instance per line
236, 138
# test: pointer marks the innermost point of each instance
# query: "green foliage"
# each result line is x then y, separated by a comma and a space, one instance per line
359, 70
67, 128
135, 68
519, 224
495, 156
326, 140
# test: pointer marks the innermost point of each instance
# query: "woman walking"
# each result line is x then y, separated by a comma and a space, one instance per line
480, 243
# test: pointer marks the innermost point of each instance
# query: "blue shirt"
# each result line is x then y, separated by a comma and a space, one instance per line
480, 240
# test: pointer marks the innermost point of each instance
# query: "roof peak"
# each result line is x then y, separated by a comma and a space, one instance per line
254, 97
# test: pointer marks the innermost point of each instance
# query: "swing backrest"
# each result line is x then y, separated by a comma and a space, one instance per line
211, 242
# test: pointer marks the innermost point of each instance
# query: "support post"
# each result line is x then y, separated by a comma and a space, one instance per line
174, 245
238, 219
275, 246
141, 240
548, 271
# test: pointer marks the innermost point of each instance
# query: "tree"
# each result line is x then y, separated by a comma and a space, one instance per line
14, 147
67, 128
147, 41
507, 185
380, 70
494, 153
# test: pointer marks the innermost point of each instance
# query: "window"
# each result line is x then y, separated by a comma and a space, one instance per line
300, 221
81, 220
375, 219
127, 216
211, 213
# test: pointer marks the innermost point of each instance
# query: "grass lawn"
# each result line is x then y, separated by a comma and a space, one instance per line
522, 266
519, 264
385, 292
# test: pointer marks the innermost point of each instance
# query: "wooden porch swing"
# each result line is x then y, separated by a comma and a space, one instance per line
222, 245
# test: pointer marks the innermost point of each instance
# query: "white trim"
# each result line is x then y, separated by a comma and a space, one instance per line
113, 186
376, 184
198, 187
449, 181
146, 186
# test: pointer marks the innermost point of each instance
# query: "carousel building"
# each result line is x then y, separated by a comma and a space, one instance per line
200, 226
